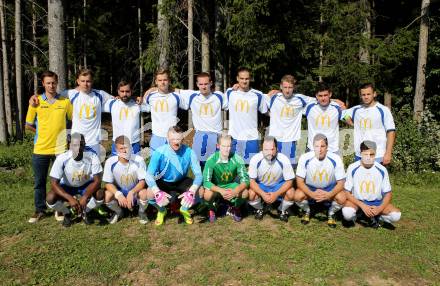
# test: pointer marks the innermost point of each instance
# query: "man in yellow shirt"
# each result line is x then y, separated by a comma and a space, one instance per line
48, 121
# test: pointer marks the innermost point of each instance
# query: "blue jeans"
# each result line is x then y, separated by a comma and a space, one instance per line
40, 165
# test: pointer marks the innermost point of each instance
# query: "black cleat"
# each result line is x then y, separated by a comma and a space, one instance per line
259, 214
88, 220
67, 220
284, 216
374, 223
348, 223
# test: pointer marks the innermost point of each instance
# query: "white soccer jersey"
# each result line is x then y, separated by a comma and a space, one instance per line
163, 109
206, 110
75, 173
367, 184
320, 173
323, 120
243, 113
285, 116
371, 123
86, 117
125, 118
270, 173
125, 176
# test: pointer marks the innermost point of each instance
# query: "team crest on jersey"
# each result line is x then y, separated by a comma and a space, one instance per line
125, 113
242, 106
320, 176
287, 111
268, 178
322, 119
128, 180
206, 110
87, 111
365, 123
79, 176
226, 176
161, 105
367, 187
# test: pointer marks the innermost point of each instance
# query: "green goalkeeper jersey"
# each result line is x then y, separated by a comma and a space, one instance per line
219, 173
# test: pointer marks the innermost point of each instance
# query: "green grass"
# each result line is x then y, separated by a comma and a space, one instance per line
266, 252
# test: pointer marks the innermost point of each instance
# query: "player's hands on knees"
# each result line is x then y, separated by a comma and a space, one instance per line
130, 199
122, 200
368, 211
321, 195
376, 210
228, 194
73, 203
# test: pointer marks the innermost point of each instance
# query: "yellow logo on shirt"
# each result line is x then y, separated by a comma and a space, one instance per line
321, 175
322, 119
79, 176
89, 110
226, 176
161, 104
124, 113
206, 110
287, 111
268, 178
367, 187
242, 106
128, 180
365, 123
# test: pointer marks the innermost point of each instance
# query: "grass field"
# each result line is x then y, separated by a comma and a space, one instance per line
266, 252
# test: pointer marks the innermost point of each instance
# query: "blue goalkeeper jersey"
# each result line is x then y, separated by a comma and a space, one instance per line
171, 166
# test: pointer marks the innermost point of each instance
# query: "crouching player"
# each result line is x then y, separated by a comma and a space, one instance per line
220, 175
271, 176
75, 172
368, 189
124, 178
320, 179
167, 172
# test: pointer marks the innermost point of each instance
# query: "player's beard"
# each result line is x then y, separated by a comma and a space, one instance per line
269, 157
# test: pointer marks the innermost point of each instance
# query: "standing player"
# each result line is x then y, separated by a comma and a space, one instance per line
244, 105
320, 179
125, 117
286, 109
271, 176
368, 189
167, 172
323, 118
206, 109
163, 105
124, 178
75, 172
51, 114
372, 121
225, 177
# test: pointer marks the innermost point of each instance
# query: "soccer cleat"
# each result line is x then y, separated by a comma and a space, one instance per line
67, 220
305, 219
211, 216
331, 222
36, 217
374, 223
259, 214
236, 214
58, 216
143, 219
160, 217
88, 220
284, 216
186, 216
101, 211
348, 223
113, 219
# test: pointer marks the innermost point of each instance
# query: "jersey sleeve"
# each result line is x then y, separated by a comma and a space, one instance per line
197, 171
288, 173
386, 185
348, 186
107, 105
263, 104
141, 171
339, 169
301, 168
105, 96
389, 121
307, 99
207, 174
57, 168
152, 168
185, 95
108, 177
96, 165
69, 110
225, 100
241, 169
348, 113
253, 172
31, 115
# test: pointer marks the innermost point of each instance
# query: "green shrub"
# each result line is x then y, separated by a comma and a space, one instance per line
416, 148
16, 155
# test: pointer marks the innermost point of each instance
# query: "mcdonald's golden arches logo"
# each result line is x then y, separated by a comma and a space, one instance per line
268, 178
367, 187
161, 104
287, 111
206, 110
124, 113
89, 110
79, 176
320, 175
242, 106
322, 119
226, 176
128, 180
365, 123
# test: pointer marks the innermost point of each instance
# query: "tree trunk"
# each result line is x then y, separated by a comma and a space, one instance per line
3, 133
141, 73
190, 55
205, 52
421, 63
84, 36
387, 100
34, 50
364, 53
219, 68
57, 43
163, 37
18, 72
7, 92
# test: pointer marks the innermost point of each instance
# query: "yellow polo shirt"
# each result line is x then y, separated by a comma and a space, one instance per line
50, 120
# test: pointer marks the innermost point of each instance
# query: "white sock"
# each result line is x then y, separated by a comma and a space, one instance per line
114, 206
91, 204
304, 205
334, 208
142, 205
391, 217
256, 204
285, 205
349, 213
59, 207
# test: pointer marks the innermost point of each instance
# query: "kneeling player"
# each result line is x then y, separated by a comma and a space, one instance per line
124, 177
368, 189
320, 179
167, 172
219, 179
75, 172
271, 176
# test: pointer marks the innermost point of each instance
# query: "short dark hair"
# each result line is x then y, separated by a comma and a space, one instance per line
122, 139
124, 83
176, 128
367, 145
367, 85
84, 72
243, 69
319, 137
203, 74
323, 86
48, 74
75, 136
